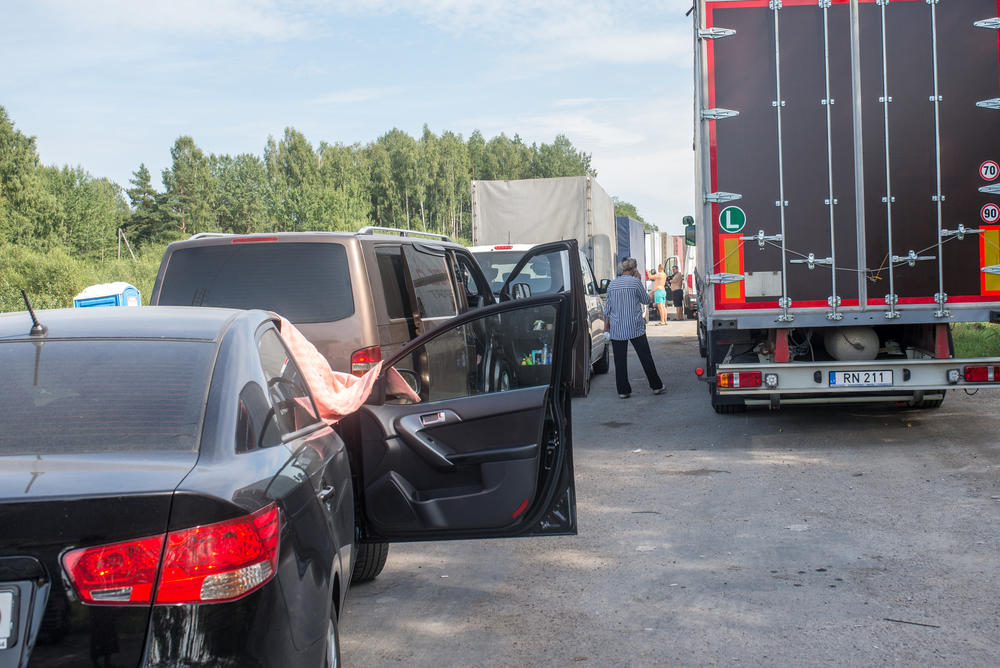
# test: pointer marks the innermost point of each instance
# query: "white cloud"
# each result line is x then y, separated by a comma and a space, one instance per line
265, 19
355, 95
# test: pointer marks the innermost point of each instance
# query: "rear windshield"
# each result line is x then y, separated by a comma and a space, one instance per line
305, 282
102, 396
497, 266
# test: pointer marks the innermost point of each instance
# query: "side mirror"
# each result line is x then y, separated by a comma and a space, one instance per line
689, 233
602, 288
411, 378
520, 291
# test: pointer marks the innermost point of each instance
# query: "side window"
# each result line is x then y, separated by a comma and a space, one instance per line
495, 353
546, 273
390, 269
589, 284
469, 279
254, 426
291, 405
431, 284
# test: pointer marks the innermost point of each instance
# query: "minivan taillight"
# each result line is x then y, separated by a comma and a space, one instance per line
210, 563
365, 359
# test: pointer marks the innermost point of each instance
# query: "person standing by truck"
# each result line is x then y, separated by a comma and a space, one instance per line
660, 292
623, 321
677, 292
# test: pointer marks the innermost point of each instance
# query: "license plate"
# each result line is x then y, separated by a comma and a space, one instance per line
876, 378
7, 626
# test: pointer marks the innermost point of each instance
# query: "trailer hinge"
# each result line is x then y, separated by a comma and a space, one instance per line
827, 201
774, 4
725, 278
834, 303
911, 258
722, 197
991, 189
715, 33
891, 301
811, 261
959, 233
989, 104
760, 238
825, 4
785, 303
941, 298
718, 114
993, 23
937, 198
992, 269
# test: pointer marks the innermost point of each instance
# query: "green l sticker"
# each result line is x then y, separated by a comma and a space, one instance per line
732, 219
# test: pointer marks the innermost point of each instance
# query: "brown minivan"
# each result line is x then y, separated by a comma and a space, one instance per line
358, 297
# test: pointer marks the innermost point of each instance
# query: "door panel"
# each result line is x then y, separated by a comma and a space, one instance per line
482, 448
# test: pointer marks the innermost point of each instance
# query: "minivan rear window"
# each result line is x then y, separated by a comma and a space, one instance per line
67, 397
304, 282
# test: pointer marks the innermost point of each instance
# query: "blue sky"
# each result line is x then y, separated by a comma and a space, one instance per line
108, 84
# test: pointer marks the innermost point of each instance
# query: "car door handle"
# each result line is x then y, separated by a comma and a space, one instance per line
324, 494
411, 428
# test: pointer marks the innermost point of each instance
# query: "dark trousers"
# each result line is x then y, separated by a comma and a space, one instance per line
641, 345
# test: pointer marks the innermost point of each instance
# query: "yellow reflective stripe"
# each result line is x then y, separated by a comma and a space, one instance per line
732, 251
989, 255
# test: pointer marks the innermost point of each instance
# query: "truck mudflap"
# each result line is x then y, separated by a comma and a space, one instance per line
870, 381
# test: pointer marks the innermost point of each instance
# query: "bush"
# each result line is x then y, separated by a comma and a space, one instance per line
53, 277
976, 339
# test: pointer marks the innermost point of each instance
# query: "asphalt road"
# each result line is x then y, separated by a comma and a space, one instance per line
806, 536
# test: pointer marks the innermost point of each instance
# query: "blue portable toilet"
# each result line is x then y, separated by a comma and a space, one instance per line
108, 294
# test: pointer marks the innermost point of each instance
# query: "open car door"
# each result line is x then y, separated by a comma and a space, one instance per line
472, 437
555, 268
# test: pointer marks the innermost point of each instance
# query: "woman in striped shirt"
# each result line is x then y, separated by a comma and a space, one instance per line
623, 320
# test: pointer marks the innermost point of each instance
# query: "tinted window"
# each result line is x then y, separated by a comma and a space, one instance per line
470, 281
390, 269
102, 396
546, 273
431, 284
589, 284
255, 427
301, 281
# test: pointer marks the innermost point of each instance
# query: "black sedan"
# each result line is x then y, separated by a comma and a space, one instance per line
168, 495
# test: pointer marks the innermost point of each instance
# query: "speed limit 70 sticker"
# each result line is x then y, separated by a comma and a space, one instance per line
990, 213
989, 170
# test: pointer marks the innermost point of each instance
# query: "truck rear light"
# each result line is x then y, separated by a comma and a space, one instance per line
365, 359
115, 574
982, 374
690, 281
252, 240
220, 562
505, 247
211, 563
739, 379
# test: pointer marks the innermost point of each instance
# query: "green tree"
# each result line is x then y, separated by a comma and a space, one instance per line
623, 208
241, 202
27, 210
345, 186
149, 222
89, 210
190, 187
560, 158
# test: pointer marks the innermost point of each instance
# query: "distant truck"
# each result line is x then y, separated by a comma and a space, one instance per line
631, 241
536, 211
848, 198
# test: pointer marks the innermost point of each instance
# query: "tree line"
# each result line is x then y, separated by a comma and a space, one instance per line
395, 181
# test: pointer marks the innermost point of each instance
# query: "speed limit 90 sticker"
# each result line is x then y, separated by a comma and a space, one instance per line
990, 213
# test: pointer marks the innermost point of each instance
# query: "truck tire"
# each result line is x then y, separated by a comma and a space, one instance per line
369, 561
721, 405
602, 365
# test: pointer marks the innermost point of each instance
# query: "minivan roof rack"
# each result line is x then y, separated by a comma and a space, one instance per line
373, 229
207, 235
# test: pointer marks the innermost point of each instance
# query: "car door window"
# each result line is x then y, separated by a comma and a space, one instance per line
291, 404
547, 273
390, 269
495, 353
476, 292
589, 284
431, 283
254, 426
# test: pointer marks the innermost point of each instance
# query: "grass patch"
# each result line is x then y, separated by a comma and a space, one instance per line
976, 339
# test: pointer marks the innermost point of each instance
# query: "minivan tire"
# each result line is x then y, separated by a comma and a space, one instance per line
370, 561
602, 365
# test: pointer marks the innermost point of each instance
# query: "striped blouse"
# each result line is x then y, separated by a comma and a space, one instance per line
626, 296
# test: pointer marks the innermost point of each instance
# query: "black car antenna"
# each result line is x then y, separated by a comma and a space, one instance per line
37, 328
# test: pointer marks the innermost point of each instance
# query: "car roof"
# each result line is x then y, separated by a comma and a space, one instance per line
501, 248
126, 322
210, 239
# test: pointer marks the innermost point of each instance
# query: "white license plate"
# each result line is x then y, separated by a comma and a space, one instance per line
6, 618
876, 378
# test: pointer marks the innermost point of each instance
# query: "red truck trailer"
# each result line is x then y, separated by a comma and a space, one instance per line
849, 197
